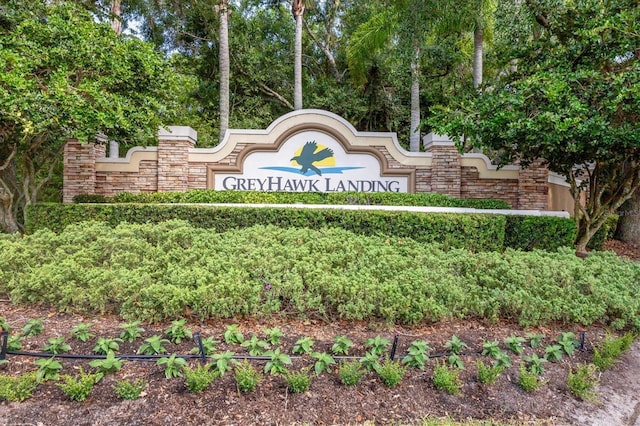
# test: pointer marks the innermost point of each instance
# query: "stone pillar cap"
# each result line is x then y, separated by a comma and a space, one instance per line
178, 133
434, 139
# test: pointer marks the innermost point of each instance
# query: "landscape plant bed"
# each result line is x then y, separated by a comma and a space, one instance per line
167, 401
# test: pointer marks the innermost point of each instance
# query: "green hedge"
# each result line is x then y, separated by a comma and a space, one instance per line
257, 197
160, 272
471, 231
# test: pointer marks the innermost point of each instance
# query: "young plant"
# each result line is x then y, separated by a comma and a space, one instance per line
18, 389
172, 366
278, 362
341, 345
514, 343
446, 379
130, 390
607, 353
455, 345
370, 361
377, 346
273, 335
153, 345
56, 345
247, 377
14, 343
534, 364
535, 340
106, 345
502, 360
351, 372
417, 354
488, 375
298, 381
582, 380
177, 332
223, 362
527, 380
455, 361
391, 372
568, 343
491, 348
33, 327
553, 353
323, 363
78, 388
255, 346
81, 332
109, 365
200, 378
303, 346
232, 334
131, 331
49, 369
208, 346
4, 325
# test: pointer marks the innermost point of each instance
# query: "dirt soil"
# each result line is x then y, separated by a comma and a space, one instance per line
168, 402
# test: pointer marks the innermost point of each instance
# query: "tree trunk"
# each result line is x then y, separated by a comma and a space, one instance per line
414, 138
297, 7
224, 67
8, 219
629, 220
477, 56
116, 16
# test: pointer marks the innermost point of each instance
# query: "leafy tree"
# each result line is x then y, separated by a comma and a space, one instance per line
569, 96
66, 76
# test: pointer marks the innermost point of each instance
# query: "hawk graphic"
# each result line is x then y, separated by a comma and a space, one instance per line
308, 156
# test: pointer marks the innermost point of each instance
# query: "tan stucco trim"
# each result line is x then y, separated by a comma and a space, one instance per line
130, 163
486, 170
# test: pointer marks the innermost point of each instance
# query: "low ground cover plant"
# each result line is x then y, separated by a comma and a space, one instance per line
129, 389
78, 387
155, 272
606, 354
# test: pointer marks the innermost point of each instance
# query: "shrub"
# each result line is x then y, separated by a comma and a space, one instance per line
247, 377
78, 388
582, 380
351, 372
609, 350
539, 232
391, 372
198, 379
446, 379
527, 380
298, 381
488, 375
129, 389
18, 388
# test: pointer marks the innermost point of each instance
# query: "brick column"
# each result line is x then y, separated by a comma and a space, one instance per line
79, 175
533, 187
173, 157
445, 165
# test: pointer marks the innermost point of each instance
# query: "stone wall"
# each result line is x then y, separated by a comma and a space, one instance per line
174, 165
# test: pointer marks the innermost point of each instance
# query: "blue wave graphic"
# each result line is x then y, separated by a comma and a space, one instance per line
324, 170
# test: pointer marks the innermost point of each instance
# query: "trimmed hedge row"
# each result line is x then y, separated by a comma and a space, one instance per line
258, 197
159, 272
474, 232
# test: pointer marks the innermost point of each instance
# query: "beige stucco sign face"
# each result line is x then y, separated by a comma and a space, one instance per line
311, 161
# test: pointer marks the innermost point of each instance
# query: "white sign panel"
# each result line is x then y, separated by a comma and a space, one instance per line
311, 161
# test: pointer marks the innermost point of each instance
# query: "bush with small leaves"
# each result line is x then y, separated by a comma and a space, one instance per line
79, 387
223, 362
255, 346
582, 380
105, 345
232, 334
109, 365
273, 335
18, 389
128, 389
33, 327
247, 377
391, 372
278, 362
56, 345
173, 366
49, 369
377, 345
304, 345
488, 374
417, 354
199, 378
527, 380
177, 332
131, 331
446, 379
153, 345
351, 372
609, 350
341, 345
298, 381
81, 332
